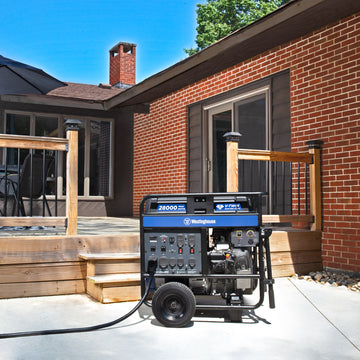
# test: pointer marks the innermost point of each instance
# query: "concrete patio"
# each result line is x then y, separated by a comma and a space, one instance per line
310, 321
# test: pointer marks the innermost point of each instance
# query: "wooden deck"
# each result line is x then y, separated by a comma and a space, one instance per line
86, 226
48, 262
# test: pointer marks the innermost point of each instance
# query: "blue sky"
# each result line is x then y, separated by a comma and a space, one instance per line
70, 39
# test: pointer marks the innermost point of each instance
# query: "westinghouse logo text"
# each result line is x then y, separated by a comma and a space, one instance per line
188, 221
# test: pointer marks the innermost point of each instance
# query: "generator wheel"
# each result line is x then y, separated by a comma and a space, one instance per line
174, 304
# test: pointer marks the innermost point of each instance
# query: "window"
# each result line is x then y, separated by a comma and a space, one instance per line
94, 158
99, 158
46, 126
95, 149
20, 125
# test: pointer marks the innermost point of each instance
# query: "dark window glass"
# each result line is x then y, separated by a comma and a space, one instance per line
250, 121
18, 125
221, 125
46, 126
99, 157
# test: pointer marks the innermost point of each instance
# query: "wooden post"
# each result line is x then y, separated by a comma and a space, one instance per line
232, 163
72, 131
315, 183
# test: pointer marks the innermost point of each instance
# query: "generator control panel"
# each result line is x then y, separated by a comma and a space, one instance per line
175, 252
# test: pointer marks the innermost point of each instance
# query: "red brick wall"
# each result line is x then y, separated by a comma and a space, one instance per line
325, 97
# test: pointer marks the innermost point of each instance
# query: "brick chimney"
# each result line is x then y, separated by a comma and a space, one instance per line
123, 65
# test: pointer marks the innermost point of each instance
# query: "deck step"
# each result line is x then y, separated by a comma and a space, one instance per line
114, 287
110, 256
113, 277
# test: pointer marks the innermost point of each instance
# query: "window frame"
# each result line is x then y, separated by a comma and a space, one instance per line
61, 165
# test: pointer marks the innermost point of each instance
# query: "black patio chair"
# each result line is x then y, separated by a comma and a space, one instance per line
8, 191
27, 186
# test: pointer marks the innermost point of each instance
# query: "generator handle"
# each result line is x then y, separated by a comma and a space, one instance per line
266, 233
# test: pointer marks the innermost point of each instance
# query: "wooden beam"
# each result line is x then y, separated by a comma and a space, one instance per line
72, 180
42, 272
315, 185
266, 155
45, 288
31, 221
43, 249
295, 257
232, 163
295, 240
287, 218
110, 256
232, 167
32, 142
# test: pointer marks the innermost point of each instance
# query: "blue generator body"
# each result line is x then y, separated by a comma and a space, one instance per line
205, 253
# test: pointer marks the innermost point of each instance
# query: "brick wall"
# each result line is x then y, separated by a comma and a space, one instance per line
325, 97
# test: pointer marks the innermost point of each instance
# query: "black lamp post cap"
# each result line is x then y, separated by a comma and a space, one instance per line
72, 124
232, 136
314, 144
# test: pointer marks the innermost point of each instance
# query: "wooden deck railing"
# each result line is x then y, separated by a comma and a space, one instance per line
312, 159
68, 145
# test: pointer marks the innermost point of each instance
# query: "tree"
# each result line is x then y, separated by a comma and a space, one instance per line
218, 18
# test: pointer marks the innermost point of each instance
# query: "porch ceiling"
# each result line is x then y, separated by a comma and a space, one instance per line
295, 19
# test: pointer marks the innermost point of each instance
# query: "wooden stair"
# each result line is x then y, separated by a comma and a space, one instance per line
112, 277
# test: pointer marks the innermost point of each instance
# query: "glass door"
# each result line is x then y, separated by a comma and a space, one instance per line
220, 122
251, 121
247, 114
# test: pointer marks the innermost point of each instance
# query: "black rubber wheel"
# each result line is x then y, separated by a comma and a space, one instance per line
173, 304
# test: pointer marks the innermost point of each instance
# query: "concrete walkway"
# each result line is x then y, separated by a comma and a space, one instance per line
311, 321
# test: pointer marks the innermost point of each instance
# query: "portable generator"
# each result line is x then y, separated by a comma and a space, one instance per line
205, 252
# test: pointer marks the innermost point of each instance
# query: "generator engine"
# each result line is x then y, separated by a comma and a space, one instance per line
227, 255
203, 246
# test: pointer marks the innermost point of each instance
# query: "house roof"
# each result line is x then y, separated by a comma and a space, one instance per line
99, 92
295, 19
73, 95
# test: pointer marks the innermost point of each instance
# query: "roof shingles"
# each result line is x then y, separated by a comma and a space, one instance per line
86, 92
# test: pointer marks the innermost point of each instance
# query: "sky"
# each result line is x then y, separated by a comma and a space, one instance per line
71, 39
